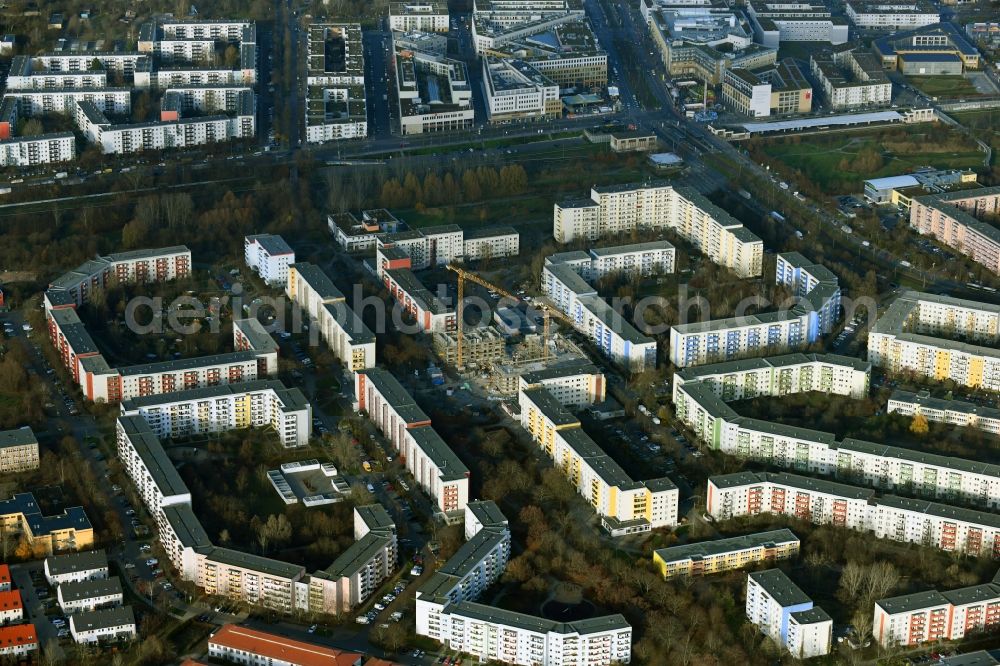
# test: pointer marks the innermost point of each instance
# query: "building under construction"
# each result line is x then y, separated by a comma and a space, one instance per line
481, 347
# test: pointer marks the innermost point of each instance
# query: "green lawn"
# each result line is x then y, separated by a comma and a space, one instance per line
829, 160
946, 87
517, 210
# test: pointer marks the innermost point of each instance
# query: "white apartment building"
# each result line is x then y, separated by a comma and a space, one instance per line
905, 339
43, 149
952, 412
429, 246
893, 16
517, 91
64, 101
784, 613
18, 640
89, 595
487, 243
142, 456
952, 219
347, 336
215, 409
447, 613
178, 133
734, 338
931, 616
433, 464
18, 450
720, 555
428, 312
776, 21
121, 62
335, 104
816, 287
611, 332
851, 80
27, 73
624, 505
622, 209
270, 256
419, 15
822, 502
179, 75
74, 567
108, 624
575, 383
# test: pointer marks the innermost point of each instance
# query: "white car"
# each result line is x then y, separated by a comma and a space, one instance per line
361, 619
379, 607
152, 562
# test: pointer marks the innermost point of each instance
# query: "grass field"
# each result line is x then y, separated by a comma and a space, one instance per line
830, 160
945, 87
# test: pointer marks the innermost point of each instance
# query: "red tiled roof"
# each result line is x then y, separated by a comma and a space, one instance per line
4, 574
17, 635
278, 647
10, 600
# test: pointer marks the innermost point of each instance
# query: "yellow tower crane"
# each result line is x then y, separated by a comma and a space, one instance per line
547, 311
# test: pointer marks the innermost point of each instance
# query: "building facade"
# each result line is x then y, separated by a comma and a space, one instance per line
18, 450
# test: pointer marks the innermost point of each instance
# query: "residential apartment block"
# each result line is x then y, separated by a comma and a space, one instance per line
269, 256
784, 613
351, 341
851, 79
822, 502
720, 555
446, 610
45, 535
952, 412
260, 581
952, 218
814, 285
624, 505
892, 15
487, 243
106, 624
622, 209
419, 15
575, 384
779, 21
75, 567
18, 450
428, 312
914, 335
335, 104
563, 283
356, 235
435, 467
931, 616
215, 409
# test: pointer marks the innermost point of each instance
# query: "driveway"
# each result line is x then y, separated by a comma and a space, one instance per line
48, 640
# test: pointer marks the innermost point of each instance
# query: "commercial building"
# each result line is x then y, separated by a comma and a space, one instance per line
432, 91
517, 91
931, 616
710, 557
567, 53
419, 15
953, 218
233, 643
343, 330
949, 528
940, 42
18, 450
624, 505
615, 336
105, 625
11, 607
215, 409
894, 15
952, 412
622, 209
68, 530
434, 466
783, 612
269, 256
497, 23
915, 335
75, 567
89, 595
779, 90
779, 21
336, 106
18, 640
851, 79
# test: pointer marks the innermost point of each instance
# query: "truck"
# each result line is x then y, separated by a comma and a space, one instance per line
775, 215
